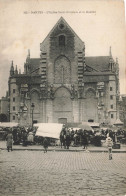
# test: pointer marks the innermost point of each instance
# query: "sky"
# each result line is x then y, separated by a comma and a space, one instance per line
24, 24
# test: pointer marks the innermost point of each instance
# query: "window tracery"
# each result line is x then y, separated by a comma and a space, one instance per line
62, 70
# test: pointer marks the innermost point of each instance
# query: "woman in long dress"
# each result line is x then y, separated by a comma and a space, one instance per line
84, 140
9, 139
45, 144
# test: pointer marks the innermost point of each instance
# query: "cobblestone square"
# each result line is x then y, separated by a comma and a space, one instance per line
62, 173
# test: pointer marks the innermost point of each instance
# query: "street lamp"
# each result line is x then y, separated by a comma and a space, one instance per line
32, 108
8, 114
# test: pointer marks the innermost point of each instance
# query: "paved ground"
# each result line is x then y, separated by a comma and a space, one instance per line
34, 173
91, 148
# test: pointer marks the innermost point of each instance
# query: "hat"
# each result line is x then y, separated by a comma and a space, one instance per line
107, 134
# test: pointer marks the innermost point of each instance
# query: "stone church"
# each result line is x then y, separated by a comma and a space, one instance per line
63, 85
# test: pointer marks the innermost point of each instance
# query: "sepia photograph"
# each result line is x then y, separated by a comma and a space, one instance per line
62, 98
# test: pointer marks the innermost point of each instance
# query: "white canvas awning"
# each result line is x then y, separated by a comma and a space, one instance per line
8, 124
48, 129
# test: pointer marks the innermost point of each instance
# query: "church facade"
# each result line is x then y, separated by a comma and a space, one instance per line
63, 85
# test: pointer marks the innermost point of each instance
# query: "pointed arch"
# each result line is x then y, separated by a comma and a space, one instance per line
90, 92
62, 70
33, 91
62, 87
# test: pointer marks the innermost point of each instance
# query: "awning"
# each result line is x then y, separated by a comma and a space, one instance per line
51, 130
85, 126
8, 124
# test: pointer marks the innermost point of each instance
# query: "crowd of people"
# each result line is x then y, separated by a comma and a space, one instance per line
21, 135
68, 136
77, 137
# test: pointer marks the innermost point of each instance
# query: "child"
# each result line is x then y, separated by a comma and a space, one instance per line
109, 144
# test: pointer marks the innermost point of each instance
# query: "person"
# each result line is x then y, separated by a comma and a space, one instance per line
30, 138
109, 143
64, 140
75, 138
45, 144
15, 135
9, 139
61, 138
24, 138
84, 140
67, 139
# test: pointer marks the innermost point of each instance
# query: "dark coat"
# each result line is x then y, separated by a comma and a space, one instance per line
67, 140
9, 139
45, 143
84, 140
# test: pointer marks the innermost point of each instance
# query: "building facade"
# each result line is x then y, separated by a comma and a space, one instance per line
122, 109
4, 109
64, 85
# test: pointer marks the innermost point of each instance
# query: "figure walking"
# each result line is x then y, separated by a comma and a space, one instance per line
61, 139
84, 140
109, 144
67, 139
9, 139
45, 144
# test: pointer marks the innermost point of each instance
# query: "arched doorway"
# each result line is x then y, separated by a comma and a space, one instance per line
90, 106
62, 106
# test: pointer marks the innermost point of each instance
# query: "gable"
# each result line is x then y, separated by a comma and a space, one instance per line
61, 27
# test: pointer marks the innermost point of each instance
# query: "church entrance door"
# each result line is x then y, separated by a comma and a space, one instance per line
62, 120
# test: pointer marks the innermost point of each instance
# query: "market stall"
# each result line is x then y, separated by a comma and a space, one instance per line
86, 126
8, 124
51, 130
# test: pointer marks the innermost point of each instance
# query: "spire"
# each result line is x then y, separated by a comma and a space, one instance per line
117, 66
12, 64
110, 52
111, 61
12, 69
16, 71
28, 54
